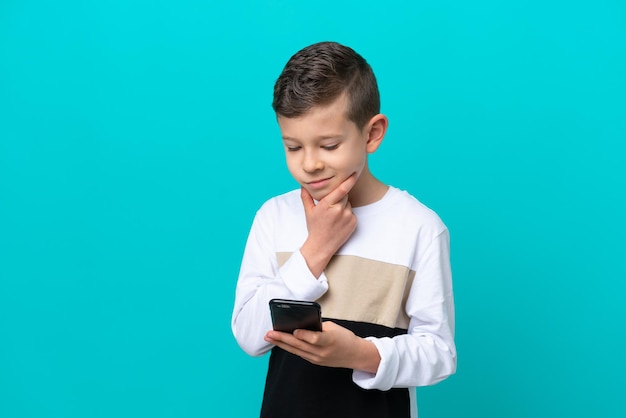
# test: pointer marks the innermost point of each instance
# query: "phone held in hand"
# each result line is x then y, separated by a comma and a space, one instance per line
289, 315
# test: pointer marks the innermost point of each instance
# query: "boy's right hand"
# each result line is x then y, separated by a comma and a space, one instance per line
330, 223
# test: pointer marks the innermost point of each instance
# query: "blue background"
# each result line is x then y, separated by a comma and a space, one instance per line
137, 141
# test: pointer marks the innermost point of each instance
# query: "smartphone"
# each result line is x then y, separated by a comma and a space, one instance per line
289, 315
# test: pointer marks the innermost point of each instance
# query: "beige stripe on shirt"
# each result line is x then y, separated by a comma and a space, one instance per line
364, 290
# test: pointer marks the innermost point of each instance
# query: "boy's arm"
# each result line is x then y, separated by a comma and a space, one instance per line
261, 279
427, 354
424, 356
335, 346
330, 223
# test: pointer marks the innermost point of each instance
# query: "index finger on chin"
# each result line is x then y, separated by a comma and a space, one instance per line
341, 191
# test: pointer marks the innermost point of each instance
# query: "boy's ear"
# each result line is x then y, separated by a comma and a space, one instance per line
376, 129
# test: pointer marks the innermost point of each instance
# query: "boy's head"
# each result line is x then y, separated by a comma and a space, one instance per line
318, 74
327, 105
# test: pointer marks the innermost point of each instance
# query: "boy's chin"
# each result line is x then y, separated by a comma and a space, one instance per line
317, 194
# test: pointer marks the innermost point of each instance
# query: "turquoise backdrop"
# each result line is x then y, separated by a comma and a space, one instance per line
137, 141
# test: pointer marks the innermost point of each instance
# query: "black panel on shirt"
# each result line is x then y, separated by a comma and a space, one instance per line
295, 388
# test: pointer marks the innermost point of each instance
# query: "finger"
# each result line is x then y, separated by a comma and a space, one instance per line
280, 338
341, 204
341, 191
286, 337
288, 342
306, 355
311, 337
307, 199
329, 326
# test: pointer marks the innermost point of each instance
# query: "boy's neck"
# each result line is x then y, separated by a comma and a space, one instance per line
367, 190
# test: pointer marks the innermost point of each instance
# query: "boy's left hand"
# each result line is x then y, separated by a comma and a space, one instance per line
335, 346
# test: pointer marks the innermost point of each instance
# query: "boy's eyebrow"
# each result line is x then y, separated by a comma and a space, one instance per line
319, 137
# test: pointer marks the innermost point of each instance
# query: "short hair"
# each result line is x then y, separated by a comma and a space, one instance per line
318, 74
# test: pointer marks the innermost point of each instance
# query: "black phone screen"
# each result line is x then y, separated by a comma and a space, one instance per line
289, 315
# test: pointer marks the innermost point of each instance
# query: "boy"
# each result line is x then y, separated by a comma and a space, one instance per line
374, 258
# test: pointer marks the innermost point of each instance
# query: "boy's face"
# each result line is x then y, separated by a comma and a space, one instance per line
323, 148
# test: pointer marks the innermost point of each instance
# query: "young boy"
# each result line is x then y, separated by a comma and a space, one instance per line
374, 258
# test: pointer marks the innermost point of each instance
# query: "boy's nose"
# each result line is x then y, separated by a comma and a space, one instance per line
312, 163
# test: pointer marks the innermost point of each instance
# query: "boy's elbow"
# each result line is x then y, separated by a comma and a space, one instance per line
251, 346
255, 351
447, 367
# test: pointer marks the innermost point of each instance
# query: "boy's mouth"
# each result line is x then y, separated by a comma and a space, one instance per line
318, 184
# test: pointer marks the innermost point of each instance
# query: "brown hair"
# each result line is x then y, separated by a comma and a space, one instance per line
319, 74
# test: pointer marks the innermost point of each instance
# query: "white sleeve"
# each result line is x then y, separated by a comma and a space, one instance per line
261, 279
427, 353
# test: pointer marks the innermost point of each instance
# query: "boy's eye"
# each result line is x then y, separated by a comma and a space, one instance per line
330, 147
292, 149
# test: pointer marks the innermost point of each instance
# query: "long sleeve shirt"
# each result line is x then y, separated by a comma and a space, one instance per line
390, 283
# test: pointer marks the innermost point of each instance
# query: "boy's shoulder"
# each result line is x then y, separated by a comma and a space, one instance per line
290, 199
401, 205
281, 206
